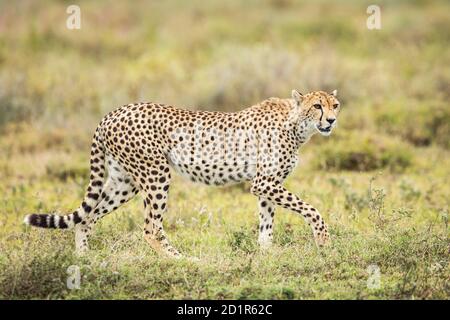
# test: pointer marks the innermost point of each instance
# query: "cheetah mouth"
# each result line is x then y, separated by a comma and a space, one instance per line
327, 129
324, 130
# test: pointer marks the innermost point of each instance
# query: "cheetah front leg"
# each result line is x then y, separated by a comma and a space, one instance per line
266, 214
277, 194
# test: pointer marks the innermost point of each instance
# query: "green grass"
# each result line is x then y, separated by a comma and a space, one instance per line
380, 180
397, 222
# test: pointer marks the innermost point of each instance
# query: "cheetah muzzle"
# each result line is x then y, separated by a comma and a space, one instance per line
135, 146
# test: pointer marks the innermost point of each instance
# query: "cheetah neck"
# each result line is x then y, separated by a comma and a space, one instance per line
302, 128
303, 132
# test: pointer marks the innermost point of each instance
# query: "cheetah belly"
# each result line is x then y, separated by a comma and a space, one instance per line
214, 173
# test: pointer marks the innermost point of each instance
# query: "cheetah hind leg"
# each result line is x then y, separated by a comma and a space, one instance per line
113, 196
118, 189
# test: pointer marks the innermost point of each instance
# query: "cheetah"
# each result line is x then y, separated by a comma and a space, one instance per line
135, 146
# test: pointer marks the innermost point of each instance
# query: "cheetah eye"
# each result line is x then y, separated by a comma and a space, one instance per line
317, 106
335, 106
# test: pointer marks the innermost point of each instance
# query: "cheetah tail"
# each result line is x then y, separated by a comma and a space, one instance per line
91, 198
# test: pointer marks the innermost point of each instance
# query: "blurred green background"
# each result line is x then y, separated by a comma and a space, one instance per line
57, 83
394, 85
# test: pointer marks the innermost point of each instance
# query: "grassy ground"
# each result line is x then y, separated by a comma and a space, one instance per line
380, 181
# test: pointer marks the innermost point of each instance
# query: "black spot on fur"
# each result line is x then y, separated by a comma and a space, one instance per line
38, 220
93, 196
86, 207
62, 224
51, 223
76, 218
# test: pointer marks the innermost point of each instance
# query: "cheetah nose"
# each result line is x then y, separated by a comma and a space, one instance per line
331, 120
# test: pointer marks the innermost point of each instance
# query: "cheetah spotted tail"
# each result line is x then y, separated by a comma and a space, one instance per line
91, 198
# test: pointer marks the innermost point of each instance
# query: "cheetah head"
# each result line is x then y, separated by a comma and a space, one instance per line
318, 109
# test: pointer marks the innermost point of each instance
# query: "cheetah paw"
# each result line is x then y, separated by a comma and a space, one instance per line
322, 239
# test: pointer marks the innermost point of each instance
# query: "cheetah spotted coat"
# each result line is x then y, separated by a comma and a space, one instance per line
135, 145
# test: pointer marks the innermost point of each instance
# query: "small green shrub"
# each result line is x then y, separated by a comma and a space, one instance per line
364, 152
409, 191
353, 200
15, 109
421, 125
242, 240
63, 172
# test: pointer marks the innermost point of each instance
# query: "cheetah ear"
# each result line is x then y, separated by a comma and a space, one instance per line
334, 93
297, 96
